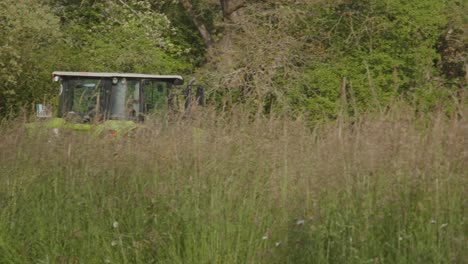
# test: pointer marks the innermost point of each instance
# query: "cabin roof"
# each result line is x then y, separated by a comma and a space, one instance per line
175, 79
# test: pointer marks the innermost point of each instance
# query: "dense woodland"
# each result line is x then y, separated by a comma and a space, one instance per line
313, 57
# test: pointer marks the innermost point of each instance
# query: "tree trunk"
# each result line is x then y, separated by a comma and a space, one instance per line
198, 23
231, 6
228, 7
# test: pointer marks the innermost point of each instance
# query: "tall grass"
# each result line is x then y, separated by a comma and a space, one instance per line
228, 189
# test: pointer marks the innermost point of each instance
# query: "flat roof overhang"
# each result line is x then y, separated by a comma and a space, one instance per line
175, 79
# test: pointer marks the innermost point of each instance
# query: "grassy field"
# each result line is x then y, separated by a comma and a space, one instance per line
386, 188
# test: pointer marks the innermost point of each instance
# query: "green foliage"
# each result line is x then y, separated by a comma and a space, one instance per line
318, 93
29, 34
126, 38
394, 39
270, 56
186, 34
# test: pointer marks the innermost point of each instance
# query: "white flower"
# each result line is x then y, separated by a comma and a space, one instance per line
433, 221
277, 244
114, 243
115, 224
265, 237
300, 222
444, 225
400, 238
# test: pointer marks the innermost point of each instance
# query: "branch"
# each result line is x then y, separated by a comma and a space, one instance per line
231, 6
198, 23
129, 7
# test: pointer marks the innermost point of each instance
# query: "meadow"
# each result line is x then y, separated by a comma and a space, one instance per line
229, 188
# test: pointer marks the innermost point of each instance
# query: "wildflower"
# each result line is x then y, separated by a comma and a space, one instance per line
265, 237
114, 243
107, 260
115, 224
400, 238
277, 244
300, 222
443, 225
433, 221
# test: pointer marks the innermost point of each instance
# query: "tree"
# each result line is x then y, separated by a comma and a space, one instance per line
27, 48
231, 6
384, 48
120, 36
228, 7
206, 35
453, 44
